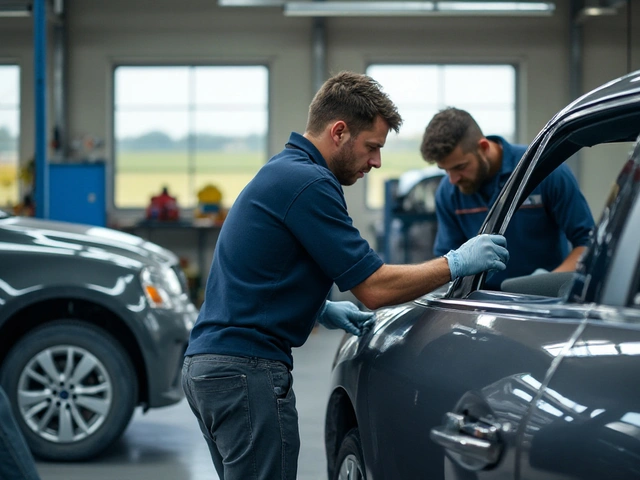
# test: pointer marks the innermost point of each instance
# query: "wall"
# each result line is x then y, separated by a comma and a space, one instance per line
605, 58
103, 34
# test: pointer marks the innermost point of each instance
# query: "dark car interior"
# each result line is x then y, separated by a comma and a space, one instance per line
551, 284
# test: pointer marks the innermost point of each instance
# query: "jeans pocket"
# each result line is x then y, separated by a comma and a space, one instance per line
282, 383
223, 405
212, 384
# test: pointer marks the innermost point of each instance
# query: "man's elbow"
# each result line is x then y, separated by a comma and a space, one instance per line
374, 304
369, 298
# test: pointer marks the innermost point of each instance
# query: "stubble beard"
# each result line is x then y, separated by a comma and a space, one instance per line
343, 162
472, 186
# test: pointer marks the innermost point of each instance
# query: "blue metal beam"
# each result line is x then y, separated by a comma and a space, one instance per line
40, 84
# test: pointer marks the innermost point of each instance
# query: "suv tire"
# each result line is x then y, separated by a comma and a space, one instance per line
73, 389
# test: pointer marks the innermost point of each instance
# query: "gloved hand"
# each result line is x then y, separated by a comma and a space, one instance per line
345, 315
484, 252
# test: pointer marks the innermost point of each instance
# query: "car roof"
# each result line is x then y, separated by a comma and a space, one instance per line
620, 87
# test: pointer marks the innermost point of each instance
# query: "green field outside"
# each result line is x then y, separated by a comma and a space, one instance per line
139, 175
178, 162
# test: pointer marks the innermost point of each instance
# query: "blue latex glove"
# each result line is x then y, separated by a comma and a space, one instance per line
484, 252
345, 315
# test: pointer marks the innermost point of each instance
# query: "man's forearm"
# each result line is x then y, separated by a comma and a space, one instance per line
569, 264
395, 284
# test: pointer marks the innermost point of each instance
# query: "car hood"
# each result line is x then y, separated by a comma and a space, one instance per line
50, 237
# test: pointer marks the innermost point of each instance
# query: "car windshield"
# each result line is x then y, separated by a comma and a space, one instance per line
4, 214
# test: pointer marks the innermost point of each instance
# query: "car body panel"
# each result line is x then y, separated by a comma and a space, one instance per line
58, 271
552, 376
589, 429
409, 357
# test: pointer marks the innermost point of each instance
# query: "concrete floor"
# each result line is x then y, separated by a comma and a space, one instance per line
166, 444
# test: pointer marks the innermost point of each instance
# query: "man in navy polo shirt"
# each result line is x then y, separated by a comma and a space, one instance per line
287, 239
553, 215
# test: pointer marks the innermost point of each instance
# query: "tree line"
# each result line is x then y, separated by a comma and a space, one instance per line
157, 140
161, 141
8, 142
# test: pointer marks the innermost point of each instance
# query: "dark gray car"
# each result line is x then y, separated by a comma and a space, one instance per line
537, 381
93, 322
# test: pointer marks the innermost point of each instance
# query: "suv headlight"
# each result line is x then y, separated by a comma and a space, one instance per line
160, 286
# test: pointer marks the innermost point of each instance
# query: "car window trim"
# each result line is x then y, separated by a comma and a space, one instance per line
622, 272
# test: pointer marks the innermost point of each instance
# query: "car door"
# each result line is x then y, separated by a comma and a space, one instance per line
466, 369
586, 422
469, 370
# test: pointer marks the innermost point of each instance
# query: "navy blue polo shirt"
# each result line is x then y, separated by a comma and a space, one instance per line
286, 240
538, 235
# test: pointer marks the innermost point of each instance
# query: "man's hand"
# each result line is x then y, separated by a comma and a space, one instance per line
484, 252
345, 315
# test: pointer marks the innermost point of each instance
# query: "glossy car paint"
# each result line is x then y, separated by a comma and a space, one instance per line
49, 261
53, 270
555, 376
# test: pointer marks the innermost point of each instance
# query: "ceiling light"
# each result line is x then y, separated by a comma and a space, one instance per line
250, 3
356, 9
412, 8
597, 8
598, 11
15, 10
494, 8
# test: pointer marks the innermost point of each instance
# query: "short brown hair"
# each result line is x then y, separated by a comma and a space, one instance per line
354, 98
446, 130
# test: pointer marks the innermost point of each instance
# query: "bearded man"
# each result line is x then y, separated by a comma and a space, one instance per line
548, 232
287, 239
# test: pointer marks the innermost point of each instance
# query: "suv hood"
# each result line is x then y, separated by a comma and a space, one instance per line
49, 236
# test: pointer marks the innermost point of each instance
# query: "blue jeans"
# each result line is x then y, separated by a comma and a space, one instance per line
16, 461
246, 410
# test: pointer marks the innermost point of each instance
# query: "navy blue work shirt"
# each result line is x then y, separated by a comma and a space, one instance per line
286, 240
554, 214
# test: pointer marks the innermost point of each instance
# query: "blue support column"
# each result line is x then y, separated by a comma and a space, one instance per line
40, 72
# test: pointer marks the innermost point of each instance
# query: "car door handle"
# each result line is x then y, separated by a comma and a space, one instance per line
474, 445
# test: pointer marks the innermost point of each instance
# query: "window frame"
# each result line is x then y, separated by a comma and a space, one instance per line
517, 132
18, 107
112, 170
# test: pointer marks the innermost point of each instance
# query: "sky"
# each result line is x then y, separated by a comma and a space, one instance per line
9, 98
233, 100
175, 100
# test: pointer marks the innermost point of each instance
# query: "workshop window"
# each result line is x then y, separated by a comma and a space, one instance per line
9, 135
185, 127
487, 92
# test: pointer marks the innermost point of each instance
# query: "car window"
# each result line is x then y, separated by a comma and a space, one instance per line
613, 253
551, 148
555, 148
